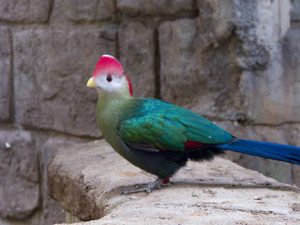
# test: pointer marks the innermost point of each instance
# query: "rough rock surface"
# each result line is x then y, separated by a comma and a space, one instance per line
24, 11
291, 74
136, 43
5, 71
236, 62
51, 71
87, 180
83, 10
19, 175
260, 58
295, 11
154, 7
197, 69
52, 212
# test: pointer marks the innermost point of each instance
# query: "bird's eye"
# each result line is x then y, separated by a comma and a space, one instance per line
109, 78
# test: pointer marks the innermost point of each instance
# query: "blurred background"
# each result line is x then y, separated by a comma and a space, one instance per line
235, 62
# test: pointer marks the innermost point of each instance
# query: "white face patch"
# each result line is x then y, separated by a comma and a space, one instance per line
111, 83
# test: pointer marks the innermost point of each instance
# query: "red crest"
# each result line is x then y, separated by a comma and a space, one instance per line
108, 65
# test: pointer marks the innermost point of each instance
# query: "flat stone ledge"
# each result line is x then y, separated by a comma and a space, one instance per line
87, 181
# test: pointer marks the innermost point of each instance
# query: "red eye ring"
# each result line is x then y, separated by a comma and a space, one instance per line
109, 78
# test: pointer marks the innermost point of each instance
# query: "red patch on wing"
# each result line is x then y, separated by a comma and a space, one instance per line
108, 65
166, 181
193, 145
129, 85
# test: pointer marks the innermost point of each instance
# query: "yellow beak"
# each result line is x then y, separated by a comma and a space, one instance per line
91, 83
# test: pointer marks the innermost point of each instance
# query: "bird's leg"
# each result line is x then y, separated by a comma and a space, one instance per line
157, 184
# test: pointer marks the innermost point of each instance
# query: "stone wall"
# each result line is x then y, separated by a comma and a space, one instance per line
235, 62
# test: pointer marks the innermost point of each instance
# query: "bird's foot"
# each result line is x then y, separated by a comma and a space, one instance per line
157, 184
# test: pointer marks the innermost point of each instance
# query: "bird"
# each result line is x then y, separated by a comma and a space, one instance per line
160, 137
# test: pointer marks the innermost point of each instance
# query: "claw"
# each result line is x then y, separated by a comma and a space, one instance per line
157, 184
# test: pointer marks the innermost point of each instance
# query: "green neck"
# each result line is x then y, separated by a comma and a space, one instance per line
111, 109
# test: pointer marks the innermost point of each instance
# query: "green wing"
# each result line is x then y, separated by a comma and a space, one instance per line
168, 127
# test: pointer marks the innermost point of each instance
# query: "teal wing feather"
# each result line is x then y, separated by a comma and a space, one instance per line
168, 127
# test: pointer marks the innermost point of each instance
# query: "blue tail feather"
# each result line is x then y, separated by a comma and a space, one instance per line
286, 153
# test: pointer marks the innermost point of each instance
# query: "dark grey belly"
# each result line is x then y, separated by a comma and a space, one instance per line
163, 165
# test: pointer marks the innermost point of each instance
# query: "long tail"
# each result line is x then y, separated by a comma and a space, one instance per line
285, 153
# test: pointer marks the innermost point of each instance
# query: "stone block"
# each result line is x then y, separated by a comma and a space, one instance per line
284, 12
215, 18
19, 175
155, 7
87, 180
5, 71
251, 24
295, 11
293, 134
51, 69
290, 78
296, 175
30, 11
198, 71
83, 10
176, 51
272, 95
136, 43
266, 85
52, 212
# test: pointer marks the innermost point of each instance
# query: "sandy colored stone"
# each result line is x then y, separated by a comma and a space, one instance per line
87, 180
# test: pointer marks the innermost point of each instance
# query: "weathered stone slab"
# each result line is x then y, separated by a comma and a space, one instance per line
294, 132
25, 11
87, 180
273, 95
229, 74
295, 11
52, 212
154, 7
19, 176
296, 175
136, 43
83, 10
290, 76
269, 89
215, 19
176, 51
197, 69
51, 69
5, 71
